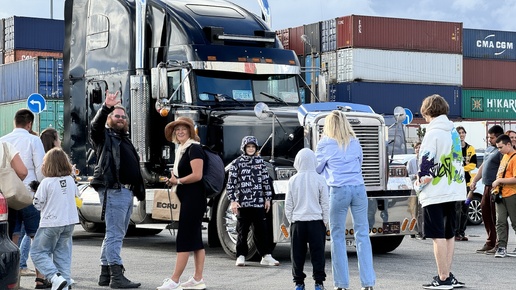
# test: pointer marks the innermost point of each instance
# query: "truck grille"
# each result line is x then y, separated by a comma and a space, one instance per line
368, 137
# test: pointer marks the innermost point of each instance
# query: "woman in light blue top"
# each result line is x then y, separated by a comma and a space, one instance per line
339, 160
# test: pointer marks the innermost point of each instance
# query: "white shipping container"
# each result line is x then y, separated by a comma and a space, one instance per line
329, 66
398, 66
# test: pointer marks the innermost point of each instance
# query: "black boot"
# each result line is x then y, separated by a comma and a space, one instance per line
105, 276
118, 280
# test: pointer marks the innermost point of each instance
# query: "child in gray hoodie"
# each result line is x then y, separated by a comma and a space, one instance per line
307, 210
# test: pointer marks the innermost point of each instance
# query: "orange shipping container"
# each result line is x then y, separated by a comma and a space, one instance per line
17, 54
399, 34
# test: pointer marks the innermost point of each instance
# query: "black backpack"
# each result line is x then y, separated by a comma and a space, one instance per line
213, 174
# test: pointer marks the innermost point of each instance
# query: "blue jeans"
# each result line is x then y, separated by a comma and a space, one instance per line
119, 207
51, 251
24, 245
341, 199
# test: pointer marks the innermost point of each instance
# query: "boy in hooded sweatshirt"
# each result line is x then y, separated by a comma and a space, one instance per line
307, 210
249, 190
440, 183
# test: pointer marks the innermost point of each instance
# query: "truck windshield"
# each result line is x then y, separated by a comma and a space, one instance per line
246, 87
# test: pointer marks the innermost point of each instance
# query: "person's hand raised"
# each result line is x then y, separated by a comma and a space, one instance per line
112, 99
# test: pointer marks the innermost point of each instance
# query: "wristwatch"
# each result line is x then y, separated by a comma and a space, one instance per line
179, 181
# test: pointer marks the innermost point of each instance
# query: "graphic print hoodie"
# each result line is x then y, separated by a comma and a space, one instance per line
440, 158
248, 179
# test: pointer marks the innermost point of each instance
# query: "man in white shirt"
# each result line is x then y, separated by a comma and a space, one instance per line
31, 151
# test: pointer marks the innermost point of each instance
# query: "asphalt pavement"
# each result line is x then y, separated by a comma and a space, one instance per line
150, 259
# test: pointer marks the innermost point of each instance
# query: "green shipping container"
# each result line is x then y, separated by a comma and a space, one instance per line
488, 104
52, 116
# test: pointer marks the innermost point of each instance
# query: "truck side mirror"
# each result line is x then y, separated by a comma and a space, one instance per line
159, 83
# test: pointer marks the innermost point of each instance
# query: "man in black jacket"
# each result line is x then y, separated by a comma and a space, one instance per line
116, 178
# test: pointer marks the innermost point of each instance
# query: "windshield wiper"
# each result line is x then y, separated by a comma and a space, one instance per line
223, 97
274, 98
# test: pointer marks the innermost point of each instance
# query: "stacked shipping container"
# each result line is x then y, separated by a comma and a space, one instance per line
489, 89
361, 53
26, 37
384, 62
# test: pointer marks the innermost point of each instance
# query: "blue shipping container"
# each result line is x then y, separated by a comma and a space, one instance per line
308, 69
43, 75
489, 44
384, 97
34, 34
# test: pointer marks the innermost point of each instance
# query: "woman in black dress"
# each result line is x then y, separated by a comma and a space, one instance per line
187, 178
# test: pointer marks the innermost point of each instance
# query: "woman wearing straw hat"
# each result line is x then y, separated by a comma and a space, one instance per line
187, 180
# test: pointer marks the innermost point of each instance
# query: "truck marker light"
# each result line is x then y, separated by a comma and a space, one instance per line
404, 224
256, 59
284, 230
291, 62
212, 57
243, 59
268, 60
163, 112
380, 230
412, 224
373, 230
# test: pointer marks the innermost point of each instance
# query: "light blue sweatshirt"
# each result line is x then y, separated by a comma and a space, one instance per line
340, 166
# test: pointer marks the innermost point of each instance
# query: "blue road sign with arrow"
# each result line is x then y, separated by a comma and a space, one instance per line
409, 117
36, 103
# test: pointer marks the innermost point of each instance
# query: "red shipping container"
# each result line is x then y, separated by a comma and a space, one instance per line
11, 56
295, 42
399, 34
283, 36
488, 74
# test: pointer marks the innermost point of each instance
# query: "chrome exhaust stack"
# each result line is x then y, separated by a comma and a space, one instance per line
140, 96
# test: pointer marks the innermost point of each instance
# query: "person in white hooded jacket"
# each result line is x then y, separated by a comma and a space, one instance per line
440, 184
307, 210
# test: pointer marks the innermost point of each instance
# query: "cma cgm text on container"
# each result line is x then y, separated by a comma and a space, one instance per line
489, 44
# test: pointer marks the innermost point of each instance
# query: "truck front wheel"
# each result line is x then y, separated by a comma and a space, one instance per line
226, 229
382, 245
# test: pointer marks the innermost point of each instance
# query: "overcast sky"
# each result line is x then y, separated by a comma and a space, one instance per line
482, 14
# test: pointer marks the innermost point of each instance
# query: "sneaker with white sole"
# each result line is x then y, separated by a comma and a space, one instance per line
456, 283
501, 252
58, 282
194, 284
240, 261
439, 284
169, 284
268, 260
512, 253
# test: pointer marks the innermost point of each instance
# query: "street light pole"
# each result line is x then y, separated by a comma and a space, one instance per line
304, 38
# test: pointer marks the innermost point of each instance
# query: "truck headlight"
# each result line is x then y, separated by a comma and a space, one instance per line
285, 173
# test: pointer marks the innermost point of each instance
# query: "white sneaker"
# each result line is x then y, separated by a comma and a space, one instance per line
169, 284
194, 284
268, 260
58, 282
240, 261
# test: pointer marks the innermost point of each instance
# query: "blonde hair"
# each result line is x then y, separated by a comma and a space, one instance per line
336, 126
56, 163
